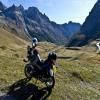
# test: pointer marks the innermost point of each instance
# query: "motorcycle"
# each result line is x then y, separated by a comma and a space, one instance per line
34, 71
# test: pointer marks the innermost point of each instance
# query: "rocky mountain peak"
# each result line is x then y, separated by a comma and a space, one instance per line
15, 8
21, 8
33, 9
34, 14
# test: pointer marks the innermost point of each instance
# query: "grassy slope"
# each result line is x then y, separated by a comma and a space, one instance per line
11, 54
77, 76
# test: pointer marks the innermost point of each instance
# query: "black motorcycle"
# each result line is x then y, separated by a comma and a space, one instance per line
36, 71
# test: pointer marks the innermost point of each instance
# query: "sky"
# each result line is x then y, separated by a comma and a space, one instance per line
60, 11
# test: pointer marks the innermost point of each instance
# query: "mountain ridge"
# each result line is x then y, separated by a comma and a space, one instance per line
29, 23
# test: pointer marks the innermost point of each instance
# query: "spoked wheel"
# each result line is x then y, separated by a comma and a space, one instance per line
29, 71
50, 83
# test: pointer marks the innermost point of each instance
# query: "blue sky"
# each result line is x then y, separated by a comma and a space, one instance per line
60, 11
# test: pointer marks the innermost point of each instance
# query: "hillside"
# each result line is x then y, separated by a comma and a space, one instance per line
77, 76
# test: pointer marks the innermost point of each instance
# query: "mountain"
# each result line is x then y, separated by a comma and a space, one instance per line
29, 23
90, 29
12, 19
39, 25
71, 28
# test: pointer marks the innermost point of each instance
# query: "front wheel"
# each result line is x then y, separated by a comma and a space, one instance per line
50, 83
29, 71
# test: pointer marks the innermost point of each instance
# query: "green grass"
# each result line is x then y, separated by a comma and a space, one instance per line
77, 77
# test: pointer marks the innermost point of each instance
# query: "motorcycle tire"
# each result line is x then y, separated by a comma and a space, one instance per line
29, 70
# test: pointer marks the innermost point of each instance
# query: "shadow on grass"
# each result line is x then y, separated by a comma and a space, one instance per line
73, 48
22, 90
61, 57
